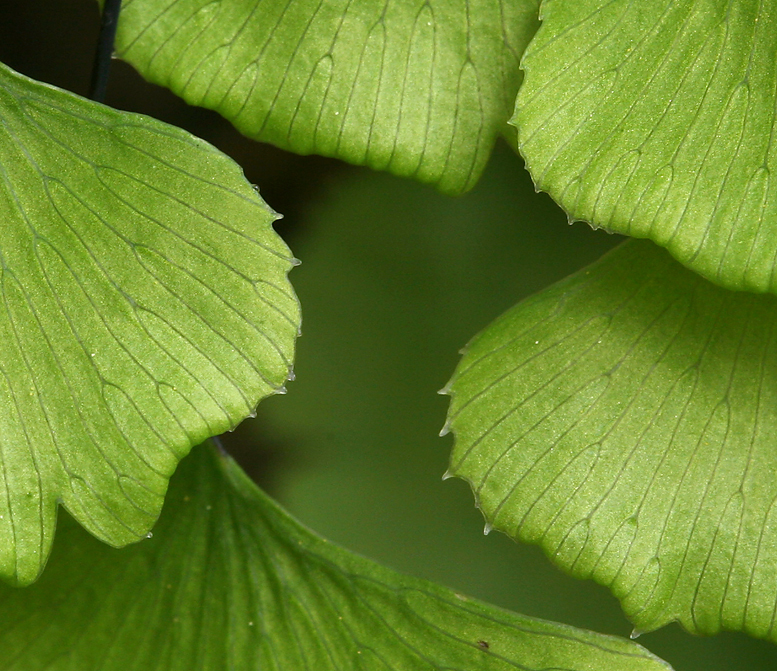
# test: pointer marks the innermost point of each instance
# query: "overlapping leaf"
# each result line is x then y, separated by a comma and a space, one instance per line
657, 119
418, 88
624, 419
229, 581
145, 307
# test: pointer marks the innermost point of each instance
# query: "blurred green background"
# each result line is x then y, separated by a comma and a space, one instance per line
395, 280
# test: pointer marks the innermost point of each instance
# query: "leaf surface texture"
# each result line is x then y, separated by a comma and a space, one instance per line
420, 88
657, 119
624, 420
230, 581
144, 306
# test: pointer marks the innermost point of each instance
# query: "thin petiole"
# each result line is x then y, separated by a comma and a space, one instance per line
104, 52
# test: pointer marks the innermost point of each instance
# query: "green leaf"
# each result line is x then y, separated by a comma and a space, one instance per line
656, 119
417, 88
145, 307
624, 420
230, 581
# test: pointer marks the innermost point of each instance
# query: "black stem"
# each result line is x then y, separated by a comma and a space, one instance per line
102, 57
